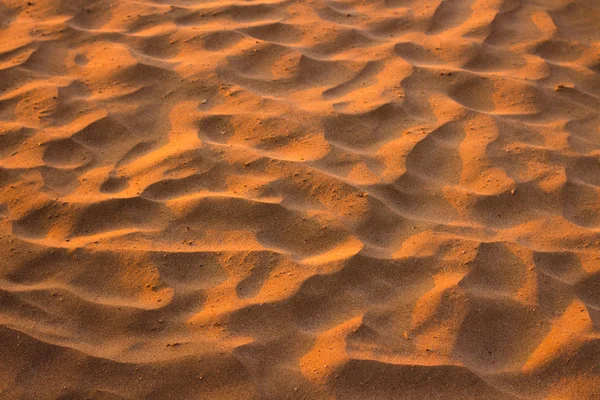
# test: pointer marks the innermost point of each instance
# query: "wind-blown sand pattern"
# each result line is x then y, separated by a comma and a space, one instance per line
384, 199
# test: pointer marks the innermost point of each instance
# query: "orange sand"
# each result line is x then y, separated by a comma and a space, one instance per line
267, 199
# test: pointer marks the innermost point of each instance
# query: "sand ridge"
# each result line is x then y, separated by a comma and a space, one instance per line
265, 199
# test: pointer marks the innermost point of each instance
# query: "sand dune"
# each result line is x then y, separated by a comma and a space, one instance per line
273, 199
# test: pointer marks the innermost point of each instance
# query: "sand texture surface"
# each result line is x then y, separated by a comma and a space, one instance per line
299, 199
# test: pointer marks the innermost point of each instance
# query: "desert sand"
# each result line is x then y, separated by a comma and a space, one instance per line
299, 199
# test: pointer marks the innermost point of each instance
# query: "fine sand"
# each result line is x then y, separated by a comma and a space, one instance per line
299, 199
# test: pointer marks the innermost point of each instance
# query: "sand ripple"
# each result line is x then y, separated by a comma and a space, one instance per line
267, 199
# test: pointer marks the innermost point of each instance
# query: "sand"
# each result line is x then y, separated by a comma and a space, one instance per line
352, 199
